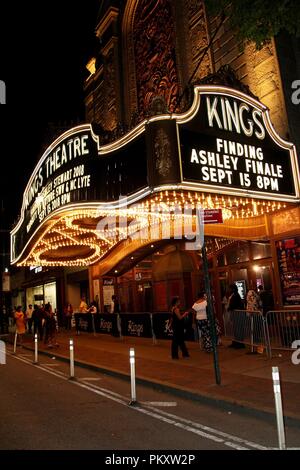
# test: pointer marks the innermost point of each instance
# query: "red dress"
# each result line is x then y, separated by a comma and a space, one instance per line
20, 323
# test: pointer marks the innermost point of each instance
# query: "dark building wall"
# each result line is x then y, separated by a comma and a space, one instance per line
288, 52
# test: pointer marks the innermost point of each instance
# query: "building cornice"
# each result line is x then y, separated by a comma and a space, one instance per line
108, 19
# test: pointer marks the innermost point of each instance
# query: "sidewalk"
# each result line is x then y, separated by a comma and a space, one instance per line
246, 379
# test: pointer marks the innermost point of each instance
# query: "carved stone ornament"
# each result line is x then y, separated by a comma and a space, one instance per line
162, 152
225, 76
158, 106
155, 57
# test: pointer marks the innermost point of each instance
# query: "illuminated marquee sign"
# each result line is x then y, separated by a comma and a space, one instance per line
74, 171
228, 143
224, 143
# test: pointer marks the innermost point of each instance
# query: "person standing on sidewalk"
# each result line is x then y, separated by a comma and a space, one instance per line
254, 306
68, 312
29, 313
20, 323
83, 309
115, 305
178, 330
267, 300
238, 320
253, 301
199, 309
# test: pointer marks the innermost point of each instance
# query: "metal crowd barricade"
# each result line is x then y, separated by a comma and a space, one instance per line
283, 327
247, 327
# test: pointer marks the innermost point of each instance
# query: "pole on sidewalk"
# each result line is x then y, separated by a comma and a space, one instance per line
15, 342
72, 374
209, 309
93, 324
278, 406
211, 317
132, 376
35, 349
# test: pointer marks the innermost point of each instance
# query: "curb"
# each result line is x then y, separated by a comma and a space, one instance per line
242, 407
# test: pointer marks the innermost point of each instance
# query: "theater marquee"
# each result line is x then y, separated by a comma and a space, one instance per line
224, 144
227, 143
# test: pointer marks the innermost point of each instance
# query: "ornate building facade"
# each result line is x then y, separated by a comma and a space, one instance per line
168, 89
151, 54
150, 48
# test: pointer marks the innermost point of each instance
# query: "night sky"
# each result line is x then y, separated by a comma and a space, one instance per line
43, 52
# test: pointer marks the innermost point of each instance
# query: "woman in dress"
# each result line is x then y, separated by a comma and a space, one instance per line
20, 323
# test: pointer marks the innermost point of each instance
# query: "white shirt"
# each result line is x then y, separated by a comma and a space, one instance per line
200, 309
29, 312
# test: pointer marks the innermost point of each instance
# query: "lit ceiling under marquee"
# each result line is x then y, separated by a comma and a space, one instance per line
84, 236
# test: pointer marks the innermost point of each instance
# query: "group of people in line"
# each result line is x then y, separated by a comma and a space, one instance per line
41, 319
93, 308
256, 301
37, 320
85, 308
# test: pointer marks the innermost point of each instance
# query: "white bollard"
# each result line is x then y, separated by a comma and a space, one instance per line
72, 375
2, 352
35, 349
15, 342
132, 376
278, 406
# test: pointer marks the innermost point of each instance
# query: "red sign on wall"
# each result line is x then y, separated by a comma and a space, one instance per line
213, 216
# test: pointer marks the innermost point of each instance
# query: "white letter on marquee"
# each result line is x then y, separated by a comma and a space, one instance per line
212, 112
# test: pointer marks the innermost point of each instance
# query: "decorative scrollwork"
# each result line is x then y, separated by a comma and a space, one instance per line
154, 49
162, 152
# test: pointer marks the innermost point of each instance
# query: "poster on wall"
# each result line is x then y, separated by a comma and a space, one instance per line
241, 286
288, 255
108, 292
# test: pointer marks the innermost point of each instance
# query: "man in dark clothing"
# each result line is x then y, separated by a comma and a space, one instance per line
266, 298
38, 317
235, 303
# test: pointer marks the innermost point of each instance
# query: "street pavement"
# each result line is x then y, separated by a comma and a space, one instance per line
246, 379
41, 409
